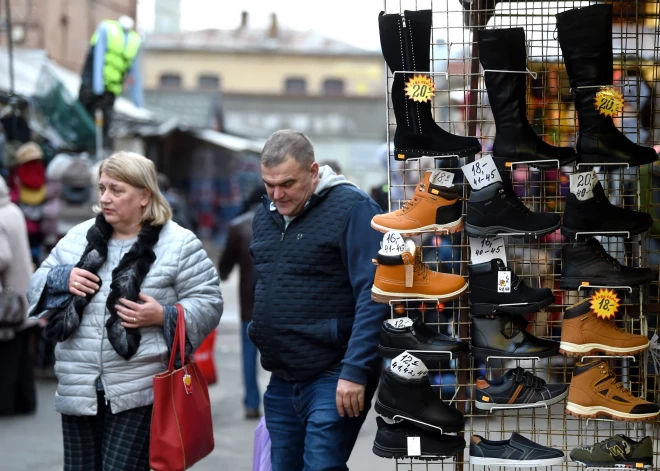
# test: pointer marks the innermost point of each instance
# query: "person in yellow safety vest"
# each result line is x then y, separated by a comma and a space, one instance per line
113, 55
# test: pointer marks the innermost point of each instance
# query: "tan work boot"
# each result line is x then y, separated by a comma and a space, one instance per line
432, 208
406, 276
595, 391
584, 333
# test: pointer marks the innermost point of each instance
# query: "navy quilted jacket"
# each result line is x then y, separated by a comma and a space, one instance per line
313, 306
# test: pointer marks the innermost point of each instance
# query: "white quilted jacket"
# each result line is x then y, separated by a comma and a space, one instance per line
182, 273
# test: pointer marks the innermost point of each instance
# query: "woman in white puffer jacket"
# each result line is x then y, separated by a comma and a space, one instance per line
109, 290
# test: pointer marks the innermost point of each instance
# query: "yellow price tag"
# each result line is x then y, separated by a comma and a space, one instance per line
609, 101
605, 303
420, 88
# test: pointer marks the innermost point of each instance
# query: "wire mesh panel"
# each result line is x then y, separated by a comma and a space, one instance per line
461, 106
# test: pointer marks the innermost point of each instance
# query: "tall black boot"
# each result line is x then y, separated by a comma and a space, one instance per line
585, 38
515, 140
406, 42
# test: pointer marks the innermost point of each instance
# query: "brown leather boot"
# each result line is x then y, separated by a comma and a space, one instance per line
432, 208
406, 276
584, 333
595, 391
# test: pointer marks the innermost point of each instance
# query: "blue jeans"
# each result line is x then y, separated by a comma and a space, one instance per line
306, 431
252, 397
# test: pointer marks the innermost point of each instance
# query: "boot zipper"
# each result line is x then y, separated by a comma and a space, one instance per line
408, 65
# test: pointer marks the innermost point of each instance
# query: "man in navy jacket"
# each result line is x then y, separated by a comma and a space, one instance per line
314, 322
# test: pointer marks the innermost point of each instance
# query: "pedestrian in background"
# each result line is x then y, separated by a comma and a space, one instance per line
237, 251
109, 289
314, 323
17, 392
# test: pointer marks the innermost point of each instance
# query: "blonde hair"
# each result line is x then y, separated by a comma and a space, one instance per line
139, 172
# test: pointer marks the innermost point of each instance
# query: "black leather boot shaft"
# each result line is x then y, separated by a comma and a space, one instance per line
506, 336
405, 41
415, 399
485, 298
585, 38
515, 140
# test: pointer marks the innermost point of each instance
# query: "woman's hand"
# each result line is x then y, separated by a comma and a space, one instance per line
135, 315
83, 282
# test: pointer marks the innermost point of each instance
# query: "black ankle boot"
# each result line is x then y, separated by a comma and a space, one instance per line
392, 441
414, 398
507, 337
495, 209
590, 263
598, 216
585, 38
515, 140
485, 298
405, 41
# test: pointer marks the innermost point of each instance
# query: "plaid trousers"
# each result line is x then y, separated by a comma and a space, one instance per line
107, 441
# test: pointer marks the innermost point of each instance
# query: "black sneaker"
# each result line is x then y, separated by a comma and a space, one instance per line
495, 209
517, 451
616, 452
486, 299
515, 389
415, 399
590, 263
508, 337
392, 442
418, 339
599, 216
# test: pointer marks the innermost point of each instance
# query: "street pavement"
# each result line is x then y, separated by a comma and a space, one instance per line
34, 443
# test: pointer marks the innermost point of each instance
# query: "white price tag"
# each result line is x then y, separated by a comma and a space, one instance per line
504, 281
414, 446
484, 250
392, 244
408, 366
582, 184
400, 323
481, 173
442, 178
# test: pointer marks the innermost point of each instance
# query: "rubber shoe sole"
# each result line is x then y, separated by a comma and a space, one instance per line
410, 154
485, 309
390, 413
593, 412
490, 231
399, 453
481, 461
572, 282
424, 355
449, 228
384, 297
619, 464
576, 350
489, 352
490, 405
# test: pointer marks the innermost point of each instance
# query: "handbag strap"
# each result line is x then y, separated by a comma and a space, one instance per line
179, 338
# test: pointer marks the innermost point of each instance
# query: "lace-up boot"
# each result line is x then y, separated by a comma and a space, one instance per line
495, 209
584, 333
508, 337
486, 298
598, 215
432, 208
406, 276
595, 391
589, 263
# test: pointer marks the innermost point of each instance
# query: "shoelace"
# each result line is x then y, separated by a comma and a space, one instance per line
599, 250
420, 267
620, 386
408, 205
612, 325
513, 200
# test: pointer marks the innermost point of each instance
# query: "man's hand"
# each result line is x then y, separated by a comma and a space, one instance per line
350, 398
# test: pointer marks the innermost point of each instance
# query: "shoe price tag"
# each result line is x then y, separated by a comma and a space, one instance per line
392, 244
582, 184
484, 250
504, 281
481, 173
408, 366
442, 178
400, 323
414, 446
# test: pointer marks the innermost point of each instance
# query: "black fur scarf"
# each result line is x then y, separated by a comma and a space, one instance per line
127, 277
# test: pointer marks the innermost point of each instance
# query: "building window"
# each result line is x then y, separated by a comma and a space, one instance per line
296, 86
208, 82
333, 87
170, 80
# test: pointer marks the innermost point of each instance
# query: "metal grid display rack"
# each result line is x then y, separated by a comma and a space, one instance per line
461, 106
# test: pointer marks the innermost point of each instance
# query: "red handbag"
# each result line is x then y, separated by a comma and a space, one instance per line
204, 358
181, 425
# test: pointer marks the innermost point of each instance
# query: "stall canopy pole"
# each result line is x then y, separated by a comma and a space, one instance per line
10, 48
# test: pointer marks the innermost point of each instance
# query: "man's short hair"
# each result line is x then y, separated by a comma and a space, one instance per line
284, 144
